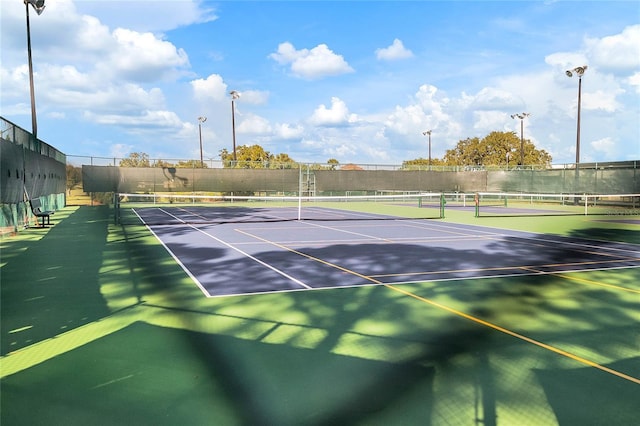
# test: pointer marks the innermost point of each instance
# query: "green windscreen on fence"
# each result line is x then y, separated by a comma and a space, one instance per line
596, 180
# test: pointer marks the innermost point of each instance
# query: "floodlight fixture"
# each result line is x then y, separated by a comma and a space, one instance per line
578, 70
38, 5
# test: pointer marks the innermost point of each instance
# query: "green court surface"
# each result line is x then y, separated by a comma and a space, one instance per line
101, 326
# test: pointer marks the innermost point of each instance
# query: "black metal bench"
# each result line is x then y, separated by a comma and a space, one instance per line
36, 209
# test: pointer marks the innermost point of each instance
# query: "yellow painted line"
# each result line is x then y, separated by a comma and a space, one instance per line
517, 335
597, 283
461, 314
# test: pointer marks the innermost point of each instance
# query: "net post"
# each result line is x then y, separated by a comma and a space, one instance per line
586, 203
300, 192
476, 200
443, 201
116, 208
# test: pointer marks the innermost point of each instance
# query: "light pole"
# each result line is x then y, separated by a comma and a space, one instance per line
521, 117
234, 95
428, 132
38, 6
579, 72
201, 120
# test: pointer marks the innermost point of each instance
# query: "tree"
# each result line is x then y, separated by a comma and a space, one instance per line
136, 159
255, 157
162, 164
421, 163
191, 164
282, 161
74, 176
495, 149
333, 163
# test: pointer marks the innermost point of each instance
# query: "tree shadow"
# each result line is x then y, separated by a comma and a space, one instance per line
53, 286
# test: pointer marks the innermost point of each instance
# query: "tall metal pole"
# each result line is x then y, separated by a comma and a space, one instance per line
234, 95
521, 117
34, 121
580, 72
429, 150
201, 120
578, 129
522, 142
428, 132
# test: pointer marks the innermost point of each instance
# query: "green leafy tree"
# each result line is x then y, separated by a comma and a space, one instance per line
136, 159
333, 163
162, 164
495, 149
191, 164
282, 161
74, 176
421, 163
255, 157
247, 157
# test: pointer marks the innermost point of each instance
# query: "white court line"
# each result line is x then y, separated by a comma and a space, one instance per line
173, 255
430, 225
276, 270
526, 235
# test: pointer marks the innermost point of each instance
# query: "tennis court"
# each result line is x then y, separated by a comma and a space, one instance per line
331, 251
268, 313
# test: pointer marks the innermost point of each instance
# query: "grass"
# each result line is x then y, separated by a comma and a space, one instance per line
101, 326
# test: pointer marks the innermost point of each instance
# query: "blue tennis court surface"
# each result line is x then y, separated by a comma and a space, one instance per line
289, 255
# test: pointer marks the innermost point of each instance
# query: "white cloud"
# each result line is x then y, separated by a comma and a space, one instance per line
604, 100
336, 115
487, 121
394, 52
619, 53
634, 81
213, 87
254, 124
311, 64
145, 122
149, 15
120, 150
286, 131
254, 97
605, 145
144, 57
491, 99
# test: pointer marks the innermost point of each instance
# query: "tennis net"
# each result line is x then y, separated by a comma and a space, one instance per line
521, 204
168, 209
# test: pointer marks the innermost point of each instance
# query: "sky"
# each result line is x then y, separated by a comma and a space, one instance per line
355, 81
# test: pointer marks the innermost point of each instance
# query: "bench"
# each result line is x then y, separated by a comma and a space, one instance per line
36, 209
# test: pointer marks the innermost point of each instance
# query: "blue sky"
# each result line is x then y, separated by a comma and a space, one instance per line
356, 81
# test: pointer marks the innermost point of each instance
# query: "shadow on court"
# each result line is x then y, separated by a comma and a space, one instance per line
366, 355
609, 234
50, 284
577, 398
